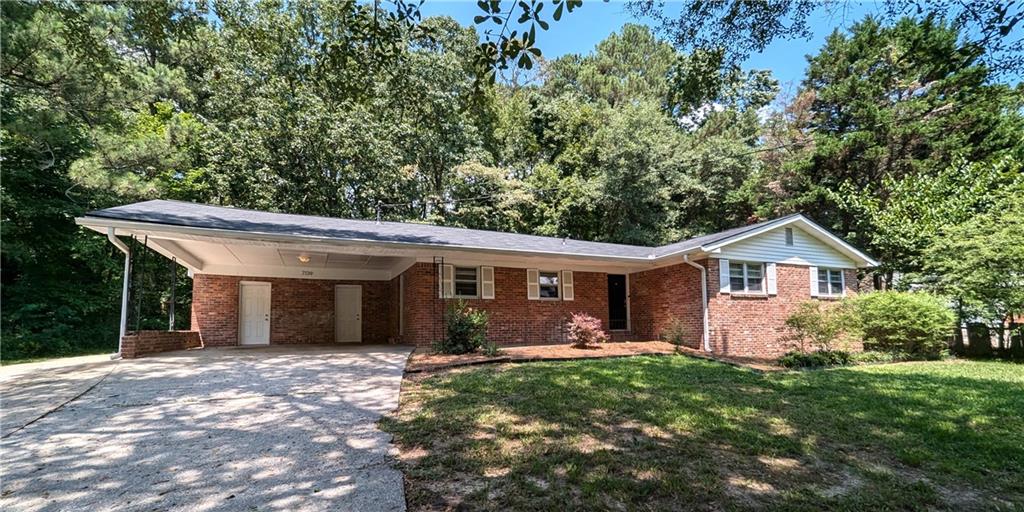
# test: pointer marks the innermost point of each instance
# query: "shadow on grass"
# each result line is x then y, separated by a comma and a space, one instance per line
673, 432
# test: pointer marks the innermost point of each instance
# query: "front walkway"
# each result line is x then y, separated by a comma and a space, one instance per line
277, 428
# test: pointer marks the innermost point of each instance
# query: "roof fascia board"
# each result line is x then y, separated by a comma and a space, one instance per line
167, 230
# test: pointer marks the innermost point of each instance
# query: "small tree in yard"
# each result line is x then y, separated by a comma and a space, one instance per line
466, 330
585, 330
980, 262
675, 332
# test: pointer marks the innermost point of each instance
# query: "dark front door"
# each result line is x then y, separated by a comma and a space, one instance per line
616, 301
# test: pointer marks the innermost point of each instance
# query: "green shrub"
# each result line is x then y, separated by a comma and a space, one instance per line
819, 359
819, 326
466, 330
875, 356
675, 332
915, 323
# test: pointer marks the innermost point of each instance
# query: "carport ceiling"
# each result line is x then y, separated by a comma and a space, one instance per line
265, 255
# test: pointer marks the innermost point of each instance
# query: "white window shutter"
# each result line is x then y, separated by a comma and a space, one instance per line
842, 281
532, 284
814, 281
486, 282
772, 283
723, 275
568, 289
447, 282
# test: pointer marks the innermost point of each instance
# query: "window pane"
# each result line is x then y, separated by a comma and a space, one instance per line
822, 287
754, 272
549, 285
736, 283
465, 288
736, 270
835, 276
754, 285
836, 281
837, 289
465, 281
822, 275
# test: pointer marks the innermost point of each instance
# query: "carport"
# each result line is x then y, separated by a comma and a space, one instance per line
254, 286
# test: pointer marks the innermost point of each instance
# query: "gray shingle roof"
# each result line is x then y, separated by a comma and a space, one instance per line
178, 213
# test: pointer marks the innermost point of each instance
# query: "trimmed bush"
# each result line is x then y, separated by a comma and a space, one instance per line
466, 330
874, 356
820, 359
915, 323
819, 326
584, 330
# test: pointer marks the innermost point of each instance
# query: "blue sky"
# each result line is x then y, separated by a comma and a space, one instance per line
585, 27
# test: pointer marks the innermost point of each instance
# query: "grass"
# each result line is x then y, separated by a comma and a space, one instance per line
78, 353
669, 433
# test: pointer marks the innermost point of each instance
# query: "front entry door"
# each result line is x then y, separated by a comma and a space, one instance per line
617, 311
348, 308
254, 317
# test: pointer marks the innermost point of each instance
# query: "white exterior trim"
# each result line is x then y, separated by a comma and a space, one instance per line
336, 274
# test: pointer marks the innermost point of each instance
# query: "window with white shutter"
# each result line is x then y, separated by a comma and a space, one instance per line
746, 277
549, 285
830, 282
466, 282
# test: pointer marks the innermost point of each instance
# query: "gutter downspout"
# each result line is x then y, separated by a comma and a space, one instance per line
124, 288
704, 299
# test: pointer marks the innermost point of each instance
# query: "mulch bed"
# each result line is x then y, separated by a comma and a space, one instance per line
423, 360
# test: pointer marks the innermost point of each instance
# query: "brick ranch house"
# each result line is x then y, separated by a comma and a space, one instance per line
269, 278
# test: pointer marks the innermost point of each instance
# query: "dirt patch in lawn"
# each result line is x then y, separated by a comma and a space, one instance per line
424, 360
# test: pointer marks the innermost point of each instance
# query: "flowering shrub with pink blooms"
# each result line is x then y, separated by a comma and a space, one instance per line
585, 330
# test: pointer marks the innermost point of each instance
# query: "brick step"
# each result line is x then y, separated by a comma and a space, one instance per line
622, 336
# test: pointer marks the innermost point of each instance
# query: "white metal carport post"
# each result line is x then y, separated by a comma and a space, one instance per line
124, 289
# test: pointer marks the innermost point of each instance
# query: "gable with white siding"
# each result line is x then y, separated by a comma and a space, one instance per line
770, 246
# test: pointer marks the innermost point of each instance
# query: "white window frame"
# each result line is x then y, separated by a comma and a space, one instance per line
829, 272
558, 286
746, 279
456, 281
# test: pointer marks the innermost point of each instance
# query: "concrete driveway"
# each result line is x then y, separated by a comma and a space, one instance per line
277, 428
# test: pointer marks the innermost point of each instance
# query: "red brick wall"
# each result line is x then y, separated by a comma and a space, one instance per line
514, 319
754, 325
152, 342
659, 296
301, 310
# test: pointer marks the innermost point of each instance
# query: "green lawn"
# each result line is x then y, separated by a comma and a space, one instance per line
655, 433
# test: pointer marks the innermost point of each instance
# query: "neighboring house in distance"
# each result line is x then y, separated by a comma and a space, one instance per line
267, 278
